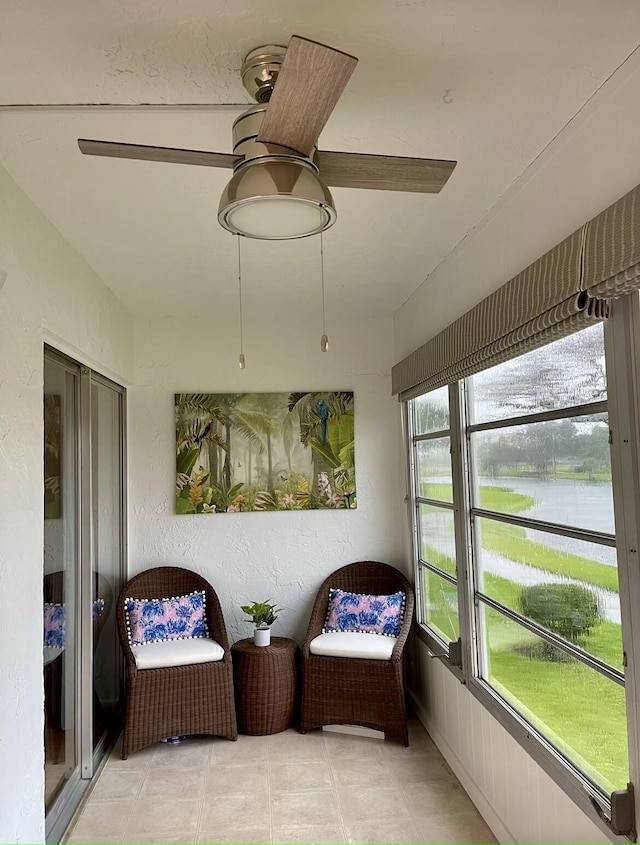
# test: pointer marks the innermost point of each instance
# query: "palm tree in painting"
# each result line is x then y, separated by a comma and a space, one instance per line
198, 441
249, 415
261, 421
227, 403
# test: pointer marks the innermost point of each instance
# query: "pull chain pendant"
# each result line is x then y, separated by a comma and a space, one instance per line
241, 361
324, 340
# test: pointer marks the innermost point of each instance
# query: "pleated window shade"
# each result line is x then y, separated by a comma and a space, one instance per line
567, 289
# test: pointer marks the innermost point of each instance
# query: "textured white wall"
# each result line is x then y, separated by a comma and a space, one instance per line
50, 293
283, 556
587, 167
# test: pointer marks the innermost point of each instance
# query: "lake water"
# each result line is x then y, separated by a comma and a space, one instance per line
586, 505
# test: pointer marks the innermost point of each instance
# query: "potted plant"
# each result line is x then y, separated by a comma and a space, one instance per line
263, 614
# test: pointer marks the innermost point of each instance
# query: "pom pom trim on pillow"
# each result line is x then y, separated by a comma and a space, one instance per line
363, 613
160, 620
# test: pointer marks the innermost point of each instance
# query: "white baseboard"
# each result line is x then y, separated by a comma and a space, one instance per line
354, 730
485, 809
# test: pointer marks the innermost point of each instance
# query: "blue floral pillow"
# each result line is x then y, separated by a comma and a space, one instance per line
364, 614
54, 625
177, 618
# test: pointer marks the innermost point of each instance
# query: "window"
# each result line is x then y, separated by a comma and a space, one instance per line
535, 499
437, 584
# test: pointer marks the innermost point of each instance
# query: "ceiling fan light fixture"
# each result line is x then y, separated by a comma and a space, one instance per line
275, 199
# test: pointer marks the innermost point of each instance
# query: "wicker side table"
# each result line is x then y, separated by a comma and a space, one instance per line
266, 679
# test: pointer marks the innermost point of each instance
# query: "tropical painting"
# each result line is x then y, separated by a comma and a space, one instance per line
239, 452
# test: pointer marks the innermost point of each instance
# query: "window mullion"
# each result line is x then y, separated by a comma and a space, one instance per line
541, 416
461, 523
412, 505
622, 348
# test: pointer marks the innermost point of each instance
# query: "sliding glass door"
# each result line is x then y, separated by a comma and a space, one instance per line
107, 542
84, 552
60, 588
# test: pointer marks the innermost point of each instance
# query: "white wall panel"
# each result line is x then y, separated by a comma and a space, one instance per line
515, 796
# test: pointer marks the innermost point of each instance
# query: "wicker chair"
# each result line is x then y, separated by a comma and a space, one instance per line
350, 690
176, 700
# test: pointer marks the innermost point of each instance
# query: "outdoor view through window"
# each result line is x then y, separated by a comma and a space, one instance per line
540, 516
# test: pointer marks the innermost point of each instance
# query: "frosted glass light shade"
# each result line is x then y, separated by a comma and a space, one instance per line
276, 199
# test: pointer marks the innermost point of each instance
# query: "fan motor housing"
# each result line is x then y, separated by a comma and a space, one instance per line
246, 144
260, 70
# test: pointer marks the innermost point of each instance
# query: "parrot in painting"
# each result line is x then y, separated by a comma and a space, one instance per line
201, 436
322, 409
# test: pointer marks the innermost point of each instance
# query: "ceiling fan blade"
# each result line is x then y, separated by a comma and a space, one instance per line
310, 82
383, 173
144, 153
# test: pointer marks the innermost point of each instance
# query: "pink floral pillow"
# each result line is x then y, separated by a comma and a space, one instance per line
365, 614
54, 625
177, 618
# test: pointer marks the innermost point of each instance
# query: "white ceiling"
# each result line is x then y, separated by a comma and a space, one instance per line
489, 83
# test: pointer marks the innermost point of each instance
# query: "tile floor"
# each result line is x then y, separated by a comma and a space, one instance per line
318, 787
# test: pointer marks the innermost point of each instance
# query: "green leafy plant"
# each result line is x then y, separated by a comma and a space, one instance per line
262, 613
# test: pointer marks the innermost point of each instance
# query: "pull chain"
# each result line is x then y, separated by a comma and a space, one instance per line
241, 362
324, 340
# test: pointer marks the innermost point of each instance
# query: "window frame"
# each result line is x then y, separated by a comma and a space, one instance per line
622, 363
438, 647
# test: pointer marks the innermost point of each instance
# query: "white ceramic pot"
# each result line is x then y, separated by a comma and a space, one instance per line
262, 636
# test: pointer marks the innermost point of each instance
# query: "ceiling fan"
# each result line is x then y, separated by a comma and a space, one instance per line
279, 186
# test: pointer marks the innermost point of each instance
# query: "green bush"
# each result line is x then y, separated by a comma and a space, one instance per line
565, 609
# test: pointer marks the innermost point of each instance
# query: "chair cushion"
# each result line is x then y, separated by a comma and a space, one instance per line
153, 620
353, 644
176, 653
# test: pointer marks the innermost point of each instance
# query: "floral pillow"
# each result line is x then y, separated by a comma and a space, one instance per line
365, 614
177, 618
54, 625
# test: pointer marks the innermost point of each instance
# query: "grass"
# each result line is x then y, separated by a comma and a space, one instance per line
581, 711
436, 558
442, 605
511, 541
561, 471
578, 709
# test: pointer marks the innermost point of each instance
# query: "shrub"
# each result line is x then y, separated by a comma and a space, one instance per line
565, 609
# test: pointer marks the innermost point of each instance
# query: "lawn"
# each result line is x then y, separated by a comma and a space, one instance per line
511, 541
578, 709
581, 711
560, 471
